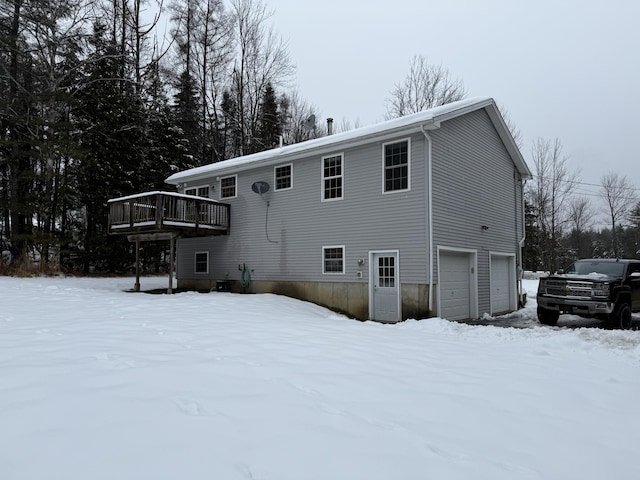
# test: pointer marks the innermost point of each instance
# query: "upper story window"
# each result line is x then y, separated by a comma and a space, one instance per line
228, 187
396, 166
333, 259
283, 177
332, 178
198, 191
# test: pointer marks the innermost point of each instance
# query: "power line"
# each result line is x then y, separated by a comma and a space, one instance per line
591, 184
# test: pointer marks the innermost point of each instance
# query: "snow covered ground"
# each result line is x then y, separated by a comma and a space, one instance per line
97, 383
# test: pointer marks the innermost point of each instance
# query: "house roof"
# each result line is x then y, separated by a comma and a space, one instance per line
427, 119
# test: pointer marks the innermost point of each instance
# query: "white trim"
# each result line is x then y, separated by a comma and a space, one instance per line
404, 190
513, 291
372, 279
344, 259
473, 277
236, 186
195, 262
323, 178
275, 177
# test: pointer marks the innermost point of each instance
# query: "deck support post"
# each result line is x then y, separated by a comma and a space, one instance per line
136, 287
172, 246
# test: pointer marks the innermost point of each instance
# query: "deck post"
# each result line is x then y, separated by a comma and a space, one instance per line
172, 243
136, 287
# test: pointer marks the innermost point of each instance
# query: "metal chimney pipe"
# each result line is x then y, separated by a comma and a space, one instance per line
329, 126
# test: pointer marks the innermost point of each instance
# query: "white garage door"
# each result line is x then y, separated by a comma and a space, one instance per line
500, 285
454, 274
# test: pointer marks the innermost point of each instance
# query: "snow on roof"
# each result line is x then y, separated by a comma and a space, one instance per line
432, 116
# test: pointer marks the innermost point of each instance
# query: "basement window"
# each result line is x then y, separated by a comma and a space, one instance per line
333, 259
202, 262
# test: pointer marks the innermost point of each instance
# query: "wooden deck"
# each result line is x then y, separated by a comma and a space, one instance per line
168, 213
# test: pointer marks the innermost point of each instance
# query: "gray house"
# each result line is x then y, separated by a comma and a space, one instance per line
409, 218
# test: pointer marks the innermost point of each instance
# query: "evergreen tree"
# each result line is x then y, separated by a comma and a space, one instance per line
112, 165
270, 124
187, 108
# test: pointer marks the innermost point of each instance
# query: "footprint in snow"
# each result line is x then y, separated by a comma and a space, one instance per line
188, 406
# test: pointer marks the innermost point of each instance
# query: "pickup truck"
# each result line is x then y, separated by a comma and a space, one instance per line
608, 289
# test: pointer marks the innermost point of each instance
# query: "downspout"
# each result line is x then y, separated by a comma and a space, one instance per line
428, 208
524, 231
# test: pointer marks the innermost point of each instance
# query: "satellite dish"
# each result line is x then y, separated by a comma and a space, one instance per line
309, 123
260, 187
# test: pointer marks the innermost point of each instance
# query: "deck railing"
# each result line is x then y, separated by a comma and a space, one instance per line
166, 211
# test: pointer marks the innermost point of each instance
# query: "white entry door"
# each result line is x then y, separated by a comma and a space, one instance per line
385, 287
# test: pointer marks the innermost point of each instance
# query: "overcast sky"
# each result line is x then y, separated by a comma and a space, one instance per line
563, 69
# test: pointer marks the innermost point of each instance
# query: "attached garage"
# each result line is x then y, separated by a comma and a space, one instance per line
503, 293
457, 286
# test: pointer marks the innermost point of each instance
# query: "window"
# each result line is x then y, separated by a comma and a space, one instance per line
396, 166
387, 272
202, 262
283, 177
333, 259
198, 191
332, 177
228, 186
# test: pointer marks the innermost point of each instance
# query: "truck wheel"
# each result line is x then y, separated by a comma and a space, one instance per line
622, 317
548, 317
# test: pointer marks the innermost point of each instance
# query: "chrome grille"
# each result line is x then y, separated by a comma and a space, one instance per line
568, 288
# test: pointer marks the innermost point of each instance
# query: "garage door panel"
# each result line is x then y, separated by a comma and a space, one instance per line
500, 285
454, 286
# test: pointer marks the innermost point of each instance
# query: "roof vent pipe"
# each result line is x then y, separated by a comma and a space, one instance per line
329, 126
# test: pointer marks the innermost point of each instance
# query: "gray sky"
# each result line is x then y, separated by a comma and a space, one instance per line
563, 69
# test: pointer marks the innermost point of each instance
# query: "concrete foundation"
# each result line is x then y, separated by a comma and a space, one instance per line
351, 299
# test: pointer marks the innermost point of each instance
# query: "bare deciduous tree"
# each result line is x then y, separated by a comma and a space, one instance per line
549, 194
426, 86
262, 59
619, 196
580, 220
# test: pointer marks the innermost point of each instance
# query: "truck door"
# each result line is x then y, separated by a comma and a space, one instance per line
634, 282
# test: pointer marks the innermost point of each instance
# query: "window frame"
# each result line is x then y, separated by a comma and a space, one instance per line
275, 177
196, 191
384, 166
324, 259
195, 262
235, 186
323, 189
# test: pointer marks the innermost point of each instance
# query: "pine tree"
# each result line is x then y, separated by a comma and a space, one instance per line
270, 125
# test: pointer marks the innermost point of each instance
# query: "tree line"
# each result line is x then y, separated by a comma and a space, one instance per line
96, 102
563, 225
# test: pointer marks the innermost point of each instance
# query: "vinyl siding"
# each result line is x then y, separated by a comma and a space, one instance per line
475, 183
301, 223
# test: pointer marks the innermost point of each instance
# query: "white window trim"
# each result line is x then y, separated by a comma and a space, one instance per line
236, 185
344, 259
196, 188
275, 178
195, 263
389, 192
322, 177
